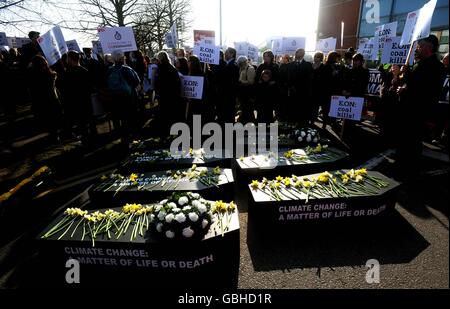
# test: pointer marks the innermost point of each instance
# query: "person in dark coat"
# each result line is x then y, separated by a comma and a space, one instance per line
197, 106
332, 76
228, 88
268, 64
418, 97
45, 106
300, 94
168, 92
77, 104
266, 96
357, 78
319, 98
31, 49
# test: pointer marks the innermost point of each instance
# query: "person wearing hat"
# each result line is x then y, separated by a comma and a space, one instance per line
31, 49
419, 97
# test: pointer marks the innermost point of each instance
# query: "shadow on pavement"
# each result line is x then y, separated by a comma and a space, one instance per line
390, 239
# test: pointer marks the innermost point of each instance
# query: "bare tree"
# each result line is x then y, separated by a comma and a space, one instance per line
156, 19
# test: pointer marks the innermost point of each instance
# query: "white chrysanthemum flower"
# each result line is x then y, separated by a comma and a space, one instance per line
195, 196
180, 218
162, 215
187, 208
202, 200
163, 202
316, 140
170, 234
159, 227
169, 218
158, 208
172, 205
193, 217
183, 201
202, 208
303, 134
188, 232
309, 139
300, 139
205, 223
176, 209
196, 204
152, 217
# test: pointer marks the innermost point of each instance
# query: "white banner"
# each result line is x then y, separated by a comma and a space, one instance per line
3, 39
118, 38
20, 42
73, 45
248, 50
207, 53
172, 37
395, 53
97, 48
53, 45
290, 45
277, 46
418, 23
346, 108
385, 31
369, 49
253, 53
192, 87
326, 45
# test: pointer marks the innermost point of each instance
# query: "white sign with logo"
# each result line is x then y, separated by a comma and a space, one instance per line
192, 87
346, 108
207, 53
385, 31
326, 45
73, 45
53, 45
3, 39
241, 48
369, 49
418, 23
172, 37
277, 46
118, 38
395, 53
290, 45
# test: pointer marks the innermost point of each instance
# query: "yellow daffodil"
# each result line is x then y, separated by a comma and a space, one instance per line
255, 185
324, 177
287, 182
359, 178
104, 177
298, 184
345, 179
194, 167
279, 179
307, 184
217, 171
220, 207
134, 177
288, 155
231, 207
277, 186
241, 159
361, 172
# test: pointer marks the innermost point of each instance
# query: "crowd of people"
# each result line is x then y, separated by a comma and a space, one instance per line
279, 89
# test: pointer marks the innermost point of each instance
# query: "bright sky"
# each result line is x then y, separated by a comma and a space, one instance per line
257, 20
243, 20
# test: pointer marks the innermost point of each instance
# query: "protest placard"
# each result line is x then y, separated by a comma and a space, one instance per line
192, 87
395, 53
374, 86
117, 38
3, 39
207, 53
385, 31
172, 37
326, 45
53, 45
346, 108
418, 23
291, 44
73, 45
200, 35
369, 49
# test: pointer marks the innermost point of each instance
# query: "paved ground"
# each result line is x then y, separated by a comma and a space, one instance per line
411, 244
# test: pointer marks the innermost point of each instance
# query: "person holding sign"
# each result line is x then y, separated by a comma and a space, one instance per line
197, 106
356, 79
31, 49
245, 95
121, 83
229, 87
419, 97
168, 92
46, 106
